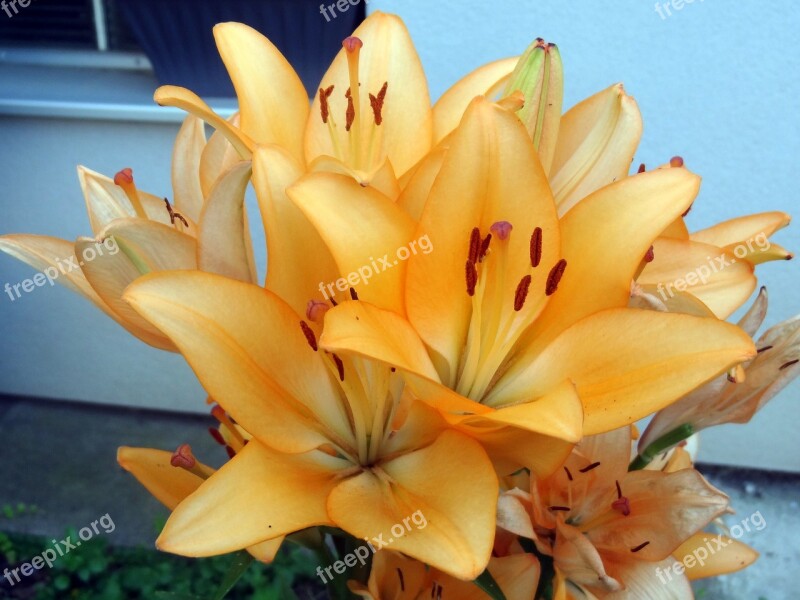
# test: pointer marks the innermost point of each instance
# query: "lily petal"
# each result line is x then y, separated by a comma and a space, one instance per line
450, 108
743, 228
259, 495
186, 158
731, 556
364, 329
639, 362
596, 143
458, 506
297, 258
272, 99
665, 509
359, 224
603, 241
280, 393
152, 468
223, 237
716, 277
44, 253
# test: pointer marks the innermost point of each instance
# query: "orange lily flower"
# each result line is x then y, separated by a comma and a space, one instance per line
335, 441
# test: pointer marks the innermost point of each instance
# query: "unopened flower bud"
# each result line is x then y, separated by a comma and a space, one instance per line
539, 76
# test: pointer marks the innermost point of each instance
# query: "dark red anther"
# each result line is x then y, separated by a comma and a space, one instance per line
651, 254
217, 436
351, 112
174, 215
560, 508
474, 245
231, 452
764, 349
472, 277
339, 366
377, 104
522, 292
553, 279
485, 246
324, 108
642, 168
569, 475
353, 294
311, 338
676, 161
588, 468
789, 364
536, 247
640, 546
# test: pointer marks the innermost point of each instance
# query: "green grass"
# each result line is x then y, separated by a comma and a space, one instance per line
100, 572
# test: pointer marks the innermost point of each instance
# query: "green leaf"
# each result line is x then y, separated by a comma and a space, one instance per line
486, 582
241, 560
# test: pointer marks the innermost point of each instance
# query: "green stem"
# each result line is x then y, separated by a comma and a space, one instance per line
662, 444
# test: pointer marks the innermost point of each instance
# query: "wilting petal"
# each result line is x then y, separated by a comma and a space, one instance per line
494, 173
604, 238
720, 280
171, 95
596, 143
578, 559
259, 495
279, 392
361, 226
223, 239
152, 468
458, 506
726, 556
388, 56
641, 580
272, 99
638, 362
298, 261
665, 509
186, 157
741, 229
487, 80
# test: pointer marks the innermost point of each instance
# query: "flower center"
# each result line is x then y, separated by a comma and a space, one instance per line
360, 145
499, 318
371, 395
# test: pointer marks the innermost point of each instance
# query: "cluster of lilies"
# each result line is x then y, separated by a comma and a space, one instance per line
492, 384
